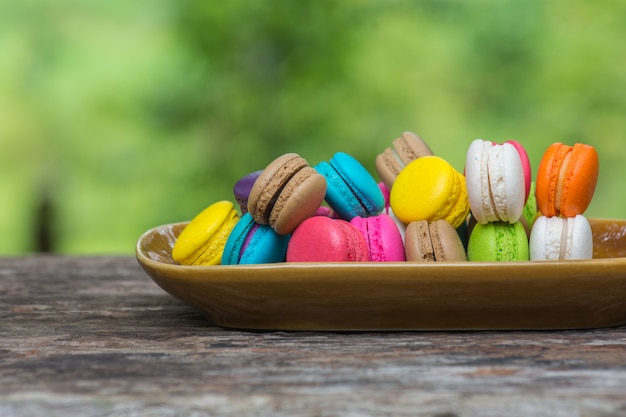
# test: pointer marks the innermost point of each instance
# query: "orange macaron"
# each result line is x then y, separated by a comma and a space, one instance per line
566, 179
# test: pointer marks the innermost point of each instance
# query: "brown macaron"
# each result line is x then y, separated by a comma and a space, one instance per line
404, 149
433, 242
287, 192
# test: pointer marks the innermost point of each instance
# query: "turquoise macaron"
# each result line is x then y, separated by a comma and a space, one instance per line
351, 190
253, 243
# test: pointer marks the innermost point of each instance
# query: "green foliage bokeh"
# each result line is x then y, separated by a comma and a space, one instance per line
126, 115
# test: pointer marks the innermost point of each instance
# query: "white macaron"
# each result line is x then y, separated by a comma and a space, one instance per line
495, 182
561, 238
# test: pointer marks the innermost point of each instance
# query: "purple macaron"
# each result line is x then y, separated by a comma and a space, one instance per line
242, 190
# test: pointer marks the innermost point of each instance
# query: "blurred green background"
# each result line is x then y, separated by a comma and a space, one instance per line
118, 116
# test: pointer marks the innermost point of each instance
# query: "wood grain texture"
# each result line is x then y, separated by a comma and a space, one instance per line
95, 336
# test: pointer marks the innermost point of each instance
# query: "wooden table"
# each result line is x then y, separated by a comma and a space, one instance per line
96, 337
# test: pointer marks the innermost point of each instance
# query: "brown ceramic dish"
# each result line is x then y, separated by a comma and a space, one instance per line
401, 296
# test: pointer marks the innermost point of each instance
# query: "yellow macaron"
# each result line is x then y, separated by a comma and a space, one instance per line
202, 241
429, 188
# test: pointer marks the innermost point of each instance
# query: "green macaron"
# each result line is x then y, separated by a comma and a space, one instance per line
498, 241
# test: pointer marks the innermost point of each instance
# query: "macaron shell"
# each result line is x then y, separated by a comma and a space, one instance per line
580, 180
429, 188
269, 184
566, 179
561, 238
529, 214
361, 182
404, 149
477, 180
286, 192
548, 177
351, 191
433, 242
526, 167
236, 240
545, 238
322, 239
264, 246
202, 241
410, 146
338, 195
457, 208
579, 243
253, 243
301, 198
506, 179
383, 237
447, 244
242, 189
495, 182
418, 245
498, 241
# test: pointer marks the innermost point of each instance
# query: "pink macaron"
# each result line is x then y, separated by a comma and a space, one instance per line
383, 237
527, 169
495, 182
324, 239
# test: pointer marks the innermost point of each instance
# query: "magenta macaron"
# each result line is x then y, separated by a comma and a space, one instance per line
383, 237
324, 239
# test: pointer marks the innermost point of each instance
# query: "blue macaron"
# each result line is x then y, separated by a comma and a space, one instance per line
253, 243
351, 190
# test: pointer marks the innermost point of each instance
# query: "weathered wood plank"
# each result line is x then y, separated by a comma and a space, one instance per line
95, 336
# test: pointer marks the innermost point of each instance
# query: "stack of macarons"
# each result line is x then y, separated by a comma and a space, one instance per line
498, 178
420, 210
427, 197
566, 181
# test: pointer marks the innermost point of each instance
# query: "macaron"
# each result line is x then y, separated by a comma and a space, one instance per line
322, 239
433, 242
253, 243
495, 179
351, 189
526, 167
561, 238
384, 240
404, 149
285, 193
566, 179
498, 241
530, 213
202, 241
325, 211
242, 189
429, 188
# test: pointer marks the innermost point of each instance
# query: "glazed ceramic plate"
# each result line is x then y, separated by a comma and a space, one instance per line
403, 295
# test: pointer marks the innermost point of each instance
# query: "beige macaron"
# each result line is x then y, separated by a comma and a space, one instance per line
404, 149
287, 192
433, 242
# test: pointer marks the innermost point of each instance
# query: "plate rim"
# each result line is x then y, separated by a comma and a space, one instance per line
143, 258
